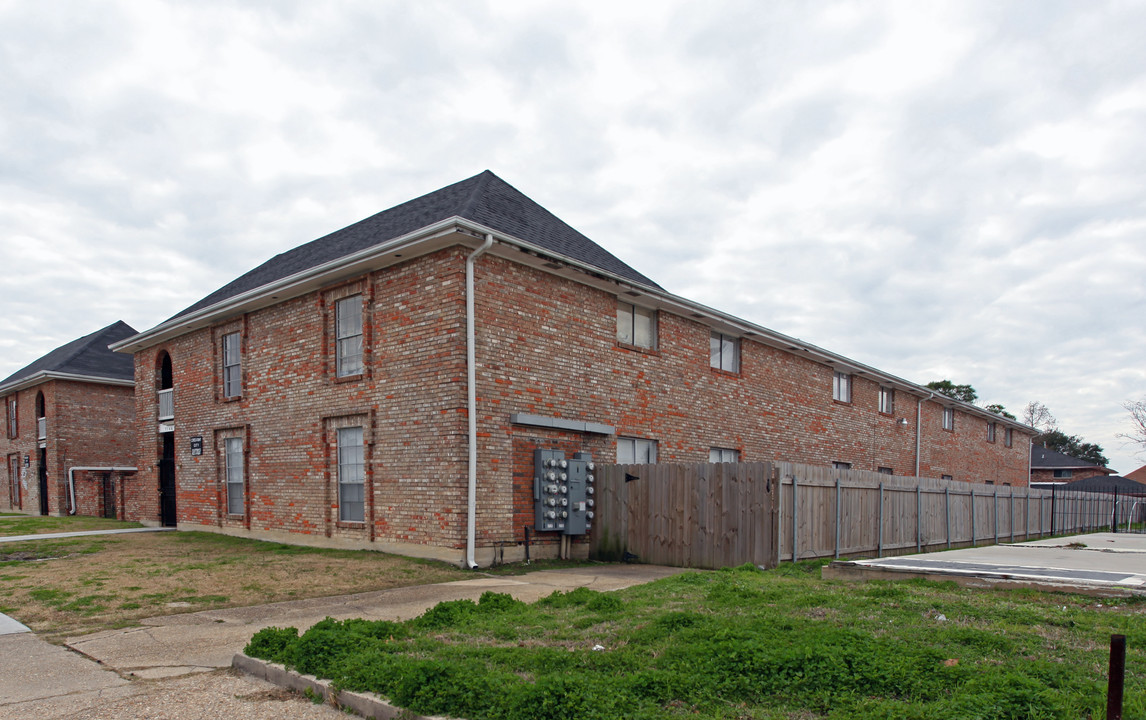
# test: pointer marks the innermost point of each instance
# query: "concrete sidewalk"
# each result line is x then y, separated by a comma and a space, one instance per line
202, 641
80, 533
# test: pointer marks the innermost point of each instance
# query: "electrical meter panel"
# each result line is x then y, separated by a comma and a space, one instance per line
563, 492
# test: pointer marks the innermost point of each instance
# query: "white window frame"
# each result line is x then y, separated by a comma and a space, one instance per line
636, 325
636, 451
351, 475
949, 419
949, 478
885, 470
887, 400
348, 358
840, 465
723, 455
233, 461
991, 432
1009, 437
13, 416
842, 387
232, 365
724, 352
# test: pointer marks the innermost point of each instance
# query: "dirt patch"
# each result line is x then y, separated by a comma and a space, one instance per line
100, 582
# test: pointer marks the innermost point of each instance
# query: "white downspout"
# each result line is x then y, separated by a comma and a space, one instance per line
72, 481
471, 390
919, 428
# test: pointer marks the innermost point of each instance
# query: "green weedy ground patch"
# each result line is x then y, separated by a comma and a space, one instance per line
738, 644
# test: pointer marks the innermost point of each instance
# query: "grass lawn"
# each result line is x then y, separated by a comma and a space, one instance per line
41, 524
71, 586
740, 644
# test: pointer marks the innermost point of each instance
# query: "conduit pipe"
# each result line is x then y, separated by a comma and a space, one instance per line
919, 428
471, 406
85, 468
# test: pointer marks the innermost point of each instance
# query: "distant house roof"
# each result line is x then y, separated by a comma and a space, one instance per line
1045, 459
484, 198
1106, 483
1138, 475
87, 358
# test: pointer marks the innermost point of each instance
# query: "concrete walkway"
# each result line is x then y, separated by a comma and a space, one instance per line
80, 533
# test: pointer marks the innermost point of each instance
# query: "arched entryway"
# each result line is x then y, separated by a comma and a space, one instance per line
166, 416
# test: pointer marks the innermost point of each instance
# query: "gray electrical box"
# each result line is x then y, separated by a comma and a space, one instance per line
563, 492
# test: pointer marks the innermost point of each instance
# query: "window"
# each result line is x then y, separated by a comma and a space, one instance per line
946, 477
1008, 437
949, 418
723, 455
348, 334
636, 451
886, 400
842, 387
233, 470
991, 432
636, 326
232, 367
841, 466
351, 475
886, 471
1063, 474
724, 352
41, 417
13, 426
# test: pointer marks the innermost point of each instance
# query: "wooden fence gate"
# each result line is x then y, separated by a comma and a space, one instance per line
701, 516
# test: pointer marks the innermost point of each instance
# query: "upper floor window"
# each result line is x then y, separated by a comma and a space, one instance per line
841, 466
948, 418
636, 326
885, 471
946, 477
232, 365
348, 335
1008, 437
13, 425
842, 387
351, 475
636, 451
887, 400
233, 468
723, 455
991, 432
1063, 474
724, 352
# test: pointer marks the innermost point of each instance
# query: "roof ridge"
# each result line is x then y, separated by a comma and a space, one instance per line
483, 179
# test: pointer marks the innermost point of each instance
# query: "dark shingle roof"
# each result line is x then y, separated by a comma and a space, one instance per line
1106, 483
484, 198
1044, 459
88, 356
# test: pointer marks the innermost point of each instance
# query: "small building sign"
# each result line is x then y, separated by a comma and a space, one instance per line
197, 445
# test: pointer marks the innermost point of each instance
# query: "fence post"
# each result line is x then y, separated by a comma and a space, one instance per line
1114, 513
1011, 505
1052, 510
918, 519
795, 510
1027, 512
996, 513
837, 518
947, 511
973, 518
880, 543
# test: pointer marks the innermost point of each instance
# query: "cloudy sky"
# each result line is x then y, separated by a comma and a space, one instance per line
941, 190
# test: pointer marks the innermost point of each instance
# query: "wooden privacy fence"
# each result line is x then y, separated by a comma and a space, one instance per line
826, 512
725, 514
702, 516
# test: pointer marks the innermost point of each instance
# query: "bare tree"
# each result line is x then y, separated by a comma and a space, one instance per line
1039, 417
1137, 434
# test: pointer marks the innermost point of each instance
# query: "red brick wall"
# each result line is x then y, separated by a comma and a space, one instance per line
88, 424
546, 346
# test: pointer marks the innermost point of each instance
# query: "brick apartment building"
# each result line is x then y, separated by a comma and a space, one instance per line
323, 397
69, 429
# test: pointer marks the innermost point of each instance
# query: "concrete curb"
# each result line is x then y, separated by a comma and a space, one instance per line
368, 705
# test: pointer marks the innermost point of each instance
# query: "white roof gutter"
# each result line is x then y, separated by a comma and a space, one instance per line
46, 375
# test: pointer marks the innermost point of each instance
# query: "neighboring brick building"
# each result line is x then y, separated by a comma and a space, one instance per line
1050, 466
323, 397
69, 421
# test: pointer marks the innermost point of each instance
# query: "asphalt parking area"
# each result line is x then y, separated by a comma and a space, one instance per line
1098, 563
